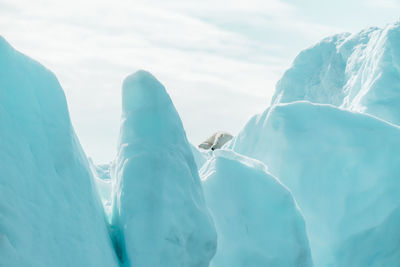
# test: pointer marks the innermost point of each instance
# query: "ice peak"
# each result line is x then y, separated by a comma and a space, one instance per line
142, 90
51, 192
148, 112
158, 205
359, 72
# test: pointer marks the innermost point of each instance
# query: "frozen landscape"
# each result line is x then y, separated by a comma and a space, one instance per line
313, 180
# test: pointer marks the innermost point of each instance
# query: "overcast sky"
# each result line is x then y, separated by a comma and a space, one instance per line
219, 60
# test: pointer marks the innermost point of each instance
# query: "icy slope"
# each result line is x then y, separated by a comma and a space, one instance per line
257, 220
101, 176
50, 214
200, 157
359, 72
380, 245
159, 213
343, 170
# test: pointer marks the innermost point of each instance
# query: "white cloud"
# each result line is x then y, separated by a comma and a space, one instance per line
219, 59
387, 4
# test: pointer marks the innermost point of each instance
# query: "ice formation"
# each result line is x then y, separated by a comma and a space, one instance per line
102, 171
257, 220
159, 215
102, 178
330, 136
340, 163
50, 214
200, 157
343, 170
359, 72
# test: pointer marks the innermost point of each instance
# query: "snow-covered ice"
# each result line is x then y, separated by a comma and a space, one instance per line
50, 214
159, 215
359, 72
330, 197
343, 170
257, 220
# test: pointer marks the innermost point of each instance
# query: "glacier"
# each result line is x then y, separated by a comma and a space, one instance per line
311, 181
257, 220
50, 212
359, 72
342, 168
330, 134
159, 216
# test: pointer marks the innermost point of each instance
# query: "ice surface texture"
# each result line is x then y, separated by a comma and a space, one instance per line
359, 72
200, 157
50, 214
159, 213
341, 167
50, 208
257, 220
343, 170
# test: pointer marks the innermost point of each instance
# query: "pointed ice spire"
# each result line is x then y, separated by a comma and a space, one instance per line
50, 212
148, 113
159, 214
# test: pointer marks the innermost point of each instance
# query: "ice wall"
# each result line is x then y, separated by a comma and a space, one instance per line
359, 72
343, 170
257, 220
159, 213
50, 214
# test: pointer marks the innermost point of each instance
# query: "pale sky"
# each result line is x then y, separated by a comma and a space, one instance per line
219, 60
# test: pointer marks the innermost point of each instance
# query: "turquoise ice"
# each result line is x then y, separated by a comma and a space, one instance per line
159, 216
50, 213
257, 220
311, 181
342, 168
